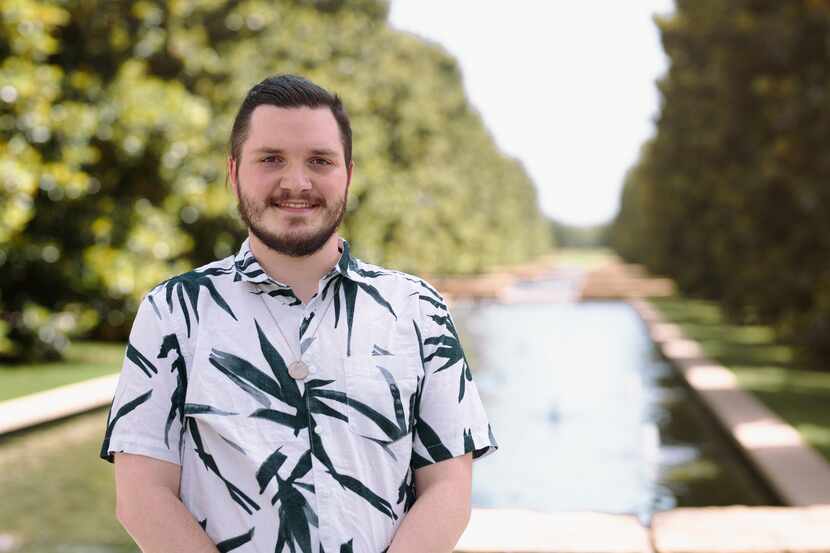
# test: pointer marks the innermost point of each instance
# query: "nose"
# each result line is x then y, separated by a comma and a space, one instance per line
295, 179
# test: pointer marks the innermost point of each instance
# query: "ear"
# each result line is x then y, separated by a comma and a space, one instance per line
232, 168
349, 170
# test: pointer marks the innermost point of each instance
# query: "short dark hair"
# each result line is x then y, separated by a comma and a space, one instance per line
289, 91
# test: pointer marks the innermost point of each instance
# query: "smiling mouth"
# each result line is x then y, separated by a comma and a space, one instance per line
295, 205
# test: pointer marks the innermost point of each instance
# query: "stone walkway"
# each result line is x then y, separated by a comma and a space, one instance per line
520, 531
743, 530
618, 280
735, 529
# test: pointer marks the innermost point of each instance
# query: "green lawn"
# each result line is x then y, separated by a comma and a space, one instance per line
765, 367
84, 360
58, 497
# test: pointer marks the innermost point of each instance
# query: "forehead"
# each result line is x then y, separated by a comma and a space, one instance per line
293, 128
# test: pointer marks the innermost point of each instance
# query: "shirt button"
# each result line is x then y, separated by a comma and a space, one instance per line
311, 369
318, 430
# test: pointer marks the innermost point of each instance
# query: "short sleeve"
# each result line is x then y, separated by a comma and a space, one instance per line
147, 410
449, 416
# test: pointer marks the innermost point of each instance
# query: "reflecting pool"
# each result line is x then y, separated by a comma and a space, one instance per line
589, 417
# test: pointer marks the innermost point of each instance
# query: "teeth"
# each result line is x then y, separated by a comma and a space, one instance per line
294, 204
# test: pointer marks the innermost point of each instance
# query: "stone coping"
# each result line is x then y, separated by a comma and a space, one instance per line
796, 472
743, 530
71, 399
526, 531
735, 529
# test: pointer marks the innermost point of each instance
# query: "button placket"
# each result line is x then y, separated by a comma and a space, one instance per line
321, 495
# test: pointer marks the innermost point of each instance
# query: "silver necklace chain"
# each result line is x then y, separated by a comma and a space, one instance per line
297, 368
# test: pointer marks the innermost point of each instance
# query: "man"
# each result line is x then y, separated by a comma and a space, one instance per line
292, 397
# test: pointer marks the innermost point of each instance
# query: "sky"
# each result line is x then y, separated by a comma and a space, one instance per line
566, 87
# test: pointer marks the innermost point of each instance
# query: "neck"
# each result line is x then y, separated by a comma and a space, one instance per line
302, 274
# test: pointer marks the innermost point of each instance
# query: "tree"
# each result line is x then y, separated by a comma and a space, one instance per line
114, 121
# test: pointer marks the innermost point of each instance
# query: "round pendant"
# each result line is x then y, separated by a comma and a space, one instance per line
298, 370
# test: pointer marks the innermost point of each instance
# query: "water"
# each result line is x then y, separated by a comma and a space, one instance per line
589, 418
586, 415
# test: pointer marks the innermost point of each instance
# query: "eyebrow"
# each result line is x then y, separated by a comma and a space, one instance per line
314, 151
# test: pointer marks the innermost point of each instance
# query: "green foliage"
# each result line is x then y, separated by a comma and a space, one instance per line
731, 197
114, 121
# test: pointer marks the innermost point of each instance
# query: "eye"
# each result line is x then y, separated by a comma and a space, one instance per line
269, 159
320, 161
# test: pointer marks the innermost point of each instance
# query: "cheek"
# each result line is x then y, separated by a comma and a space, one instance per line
255, 172
334, 194
333, 185
252, 180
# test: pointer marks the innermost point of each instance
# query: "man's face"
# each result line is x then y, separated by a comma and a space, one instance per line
291, 180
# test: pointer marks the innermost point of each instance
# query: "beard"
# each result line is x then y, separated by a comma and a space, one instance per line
298, 240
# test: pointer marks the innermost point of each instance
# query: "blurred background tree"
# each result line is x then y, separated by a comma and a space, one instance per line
114, 120
731, 197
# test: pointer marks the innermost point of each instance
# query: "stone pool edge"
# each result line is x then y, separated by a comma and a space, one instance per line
795, 471
57, 403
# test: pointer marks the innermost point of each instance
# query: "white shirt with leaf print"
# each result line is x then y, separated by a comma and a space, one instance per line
320, 464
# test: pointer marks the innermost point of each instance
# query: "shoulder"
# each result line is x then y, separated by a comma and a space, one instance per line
211, 274
177, 299
408, 284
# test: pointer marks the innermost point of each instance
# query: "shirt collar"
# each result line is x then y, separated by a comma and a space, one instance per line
248, 268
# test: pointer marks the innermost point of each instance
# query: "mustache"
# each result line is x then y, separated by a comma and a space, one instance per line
306, 197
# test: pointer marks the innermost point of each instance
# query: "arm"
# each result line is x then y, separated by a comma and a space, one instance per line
441, 510
149, 508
